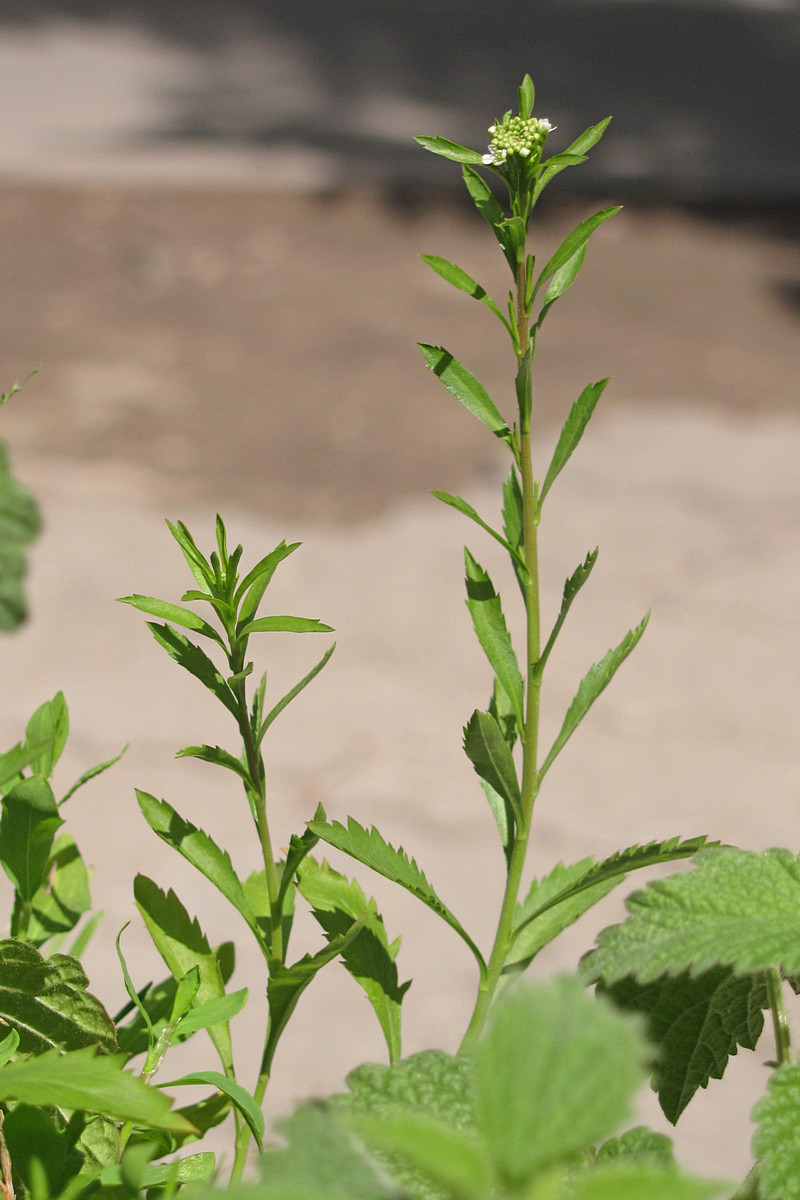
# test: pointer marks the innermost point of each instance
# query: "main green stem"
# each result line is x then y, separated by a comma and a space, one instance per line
780, 1022
530, 736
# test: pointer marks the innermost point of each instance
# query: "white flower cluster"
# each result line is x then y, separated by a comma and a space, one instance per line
516, 135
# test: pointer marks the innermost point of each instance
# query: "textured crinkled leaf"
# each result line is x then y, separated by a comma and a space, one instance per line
46, 1001
595, 681
636, 1144
27, 829
336, 903
555, 1072
183, 945
486, 611
466, 388
195, 661
442, 1157
736, 908
777, 1137
19, 525
200, 850
572, 432
93, 1082
697, 1023
321, 1154
369, 848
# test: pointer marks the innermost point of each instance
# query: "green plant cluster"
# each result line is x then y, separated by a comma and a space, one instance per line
532, 1105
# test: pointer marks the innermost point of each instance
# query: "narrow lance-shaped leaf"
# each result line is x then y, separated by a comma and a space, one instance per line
486, 611
283, 624
464, 282
697, 1023
571, 588
234, 1091
587, 139
466, 389
462, 506
278, 708
195, 661
561, 281
736, 908
218, 756
195, 560
593, 683
256, 581
572, 432
489, 753
92, 773
448, 149
573, 243
369, 848
172, 612
489, 209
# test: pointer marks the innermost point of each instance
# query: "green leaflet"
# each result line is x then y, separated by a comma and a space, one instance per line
194, 1168
571, 588
572, 432
463, 507
593, 683
369, 848
337, 902
45, 1000
49, 726
235, 1093
466, 389
218, 756
697, 1023
572, 244
490, 755
172, 612
736, 908
560, 282
201, 851
256, 581
486, 611
282, 625
95, 1083
578, 148
777, 1138
464, 282
278, 708
19, 525
60, 904
91, 773
195, 661
448, 149
16, 759
27, 828
489, 209
183, 945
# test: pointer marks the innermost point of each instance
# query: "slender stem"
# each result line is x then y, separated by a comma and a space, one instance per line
780, 1022
530, 735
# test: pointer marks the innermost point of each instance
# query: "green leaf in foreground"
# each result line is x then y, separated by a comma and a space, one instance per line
466, 389
697, 1023
369, 848
172, 612
84, 1080
555, 1072
643, 1181
595, 681
736, 908
777, 1138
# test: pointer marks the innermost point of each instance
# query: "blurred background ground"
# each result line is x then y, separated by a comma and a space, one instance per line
210, 223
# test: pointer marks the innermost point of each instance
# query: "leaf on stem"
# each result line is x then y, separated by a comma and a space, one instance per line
27, 829
64, 898
368, 847
561, 281
14, 761
571, 588
337, 902
463, 507
222, 758
92, 773
572, 244
463, 282
490, 755
697, 1023
196, 561
278, 708
448, 149
486, 611
194, 1168
201, 851
282, 625
572, 432
776, 1142
49, 726
593, 683
195, 661
587, 139
172, 612
234, 1091
490, 210
182, 944
80, 1079
466, 389
736, 908
46, 1001
256, 581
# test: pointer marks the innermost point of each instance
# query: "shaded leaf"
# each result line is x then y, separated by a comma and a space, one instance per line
572, 432
593, 683
60, 904
46, 1001
466, 389
491, 630
777, 1137
489, 753
195, 661
238, 1095
27, 829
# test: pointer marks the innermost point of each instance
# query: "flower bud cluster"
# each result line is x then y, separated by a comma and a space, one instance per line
516, 135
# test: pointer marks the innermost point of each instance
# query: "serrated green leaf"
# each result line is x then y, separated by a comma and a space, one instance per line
182, 945
235, 1093
369, 848
463, 507
587, 139
466, 389
27, 829
321, 1159
463, 282
735, 908
491, 630
572, 432
172, 612
697, 1023
19, 525
593, 683
278, 708
283, 625
447, 1158
92, 773
572, 244
448, 149
571, 588
195, 661
337, 902
94, 1083
776, 1141
49, 726
46, 1001
218, 756
200, 850
555, 1071
636, 1145
643, 1181
490, 755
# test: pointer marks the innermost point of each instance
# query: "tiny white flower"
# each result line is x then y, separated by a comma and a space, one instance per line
488, 159
492, 129
524, 152
545, 124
